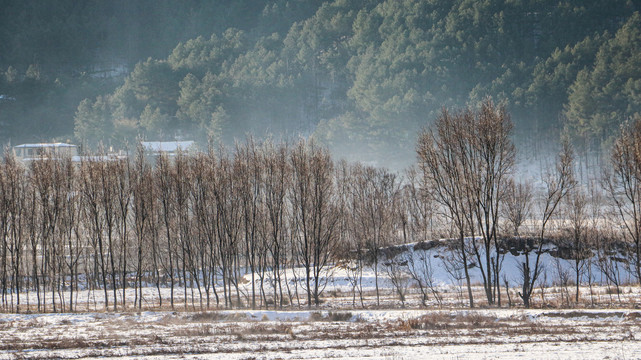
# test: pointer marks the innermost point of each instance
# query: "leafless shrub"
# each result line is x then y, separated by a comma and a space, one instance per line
398, 276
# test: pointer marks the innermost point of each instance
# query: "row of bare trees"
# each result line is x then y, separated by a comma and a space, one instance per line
264, 224
199, 225
466, 160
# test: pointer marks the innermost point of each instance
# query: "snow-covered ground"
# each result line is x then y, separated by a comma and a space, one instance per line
346, 285
605, 324
358, 334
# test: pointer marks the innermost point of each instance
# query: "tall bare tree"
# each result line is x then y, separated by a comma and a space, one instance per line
249, 174
92, 200
163, 182
577, 219
15, 189
441, 162
375, 197
623, 183
277, 181
314, 213
467, 158
203, 209
557, 186
142, 207
123, 201
228, 224
494, 153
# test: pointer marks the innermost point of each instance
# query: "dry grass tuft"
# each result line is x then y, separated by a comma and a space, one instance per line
192, 331
339, 316
331, 316
433, 321
446, 321
208, 316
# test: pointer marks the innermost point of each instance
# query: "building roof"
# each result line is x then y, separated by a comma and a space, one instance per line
45, 145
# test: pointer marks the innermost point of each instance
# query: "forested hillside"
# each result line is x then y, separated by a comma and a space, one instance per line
361, 76
54, 54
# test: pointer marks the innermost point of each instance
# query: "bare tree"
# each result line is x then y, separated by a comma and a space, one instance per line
440, 160
142, 208
180, 190
420, 207
314, 213
249, 174
352, 244
623, 183
92, 201
420, 268
4, 235
123, 202
557, 186
277, 175
48, 178
396, 268
167, 209
228, 224
468, 160
577, 217
107, 187
14, 191
204, 210
70, 227
610, 261
375, 195
491, 162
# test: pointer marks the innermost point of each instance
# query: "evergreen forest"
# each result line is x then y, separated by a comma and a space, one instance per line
362, 77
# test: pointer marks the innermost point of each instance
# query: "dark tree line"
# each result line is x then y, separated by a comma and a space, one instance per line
362, 75
55, 54
359, 74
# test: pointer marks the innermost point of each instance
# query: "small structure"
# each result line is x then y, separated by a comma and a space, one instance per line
30, 152
169, 148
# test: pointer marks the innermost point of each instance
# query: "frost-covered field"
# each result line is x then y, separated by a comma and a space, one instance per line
359, 334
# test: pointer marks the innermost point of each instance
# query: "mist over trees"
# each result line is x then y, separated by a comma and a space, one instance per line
361, 76
55, 54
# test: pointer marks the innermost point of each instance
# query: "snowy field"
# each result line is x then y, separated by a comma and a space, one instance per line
605, 324
337, 329
357, 334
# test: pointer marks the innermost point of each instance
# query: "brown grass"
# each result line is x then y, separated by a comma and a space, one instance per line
196, 330
589, 315
445, 321
208, 316
331, 316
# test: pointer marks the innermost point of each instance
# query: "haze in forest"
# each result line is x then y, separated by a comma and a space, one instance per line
362, 77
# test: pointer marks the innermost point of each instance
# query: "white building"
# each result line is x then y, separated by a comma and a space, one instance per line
30, 152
